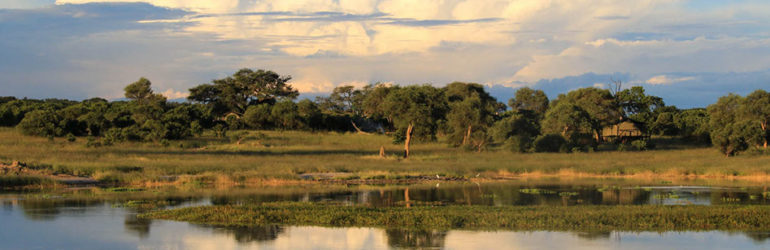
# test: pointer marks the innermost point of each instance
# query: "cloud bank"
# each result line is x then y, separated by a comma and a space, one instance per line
675, 48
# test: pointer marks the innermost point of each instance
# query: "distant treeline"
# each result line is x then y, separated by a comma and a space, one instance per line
462, 114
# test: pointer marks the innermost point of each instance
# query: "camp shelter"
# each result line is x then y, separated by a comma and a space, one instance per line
626, 130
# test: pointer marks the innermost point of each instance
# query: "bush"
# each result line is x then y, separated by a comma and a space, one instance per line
92, 142
112, 136
71, 137
639, 144
518, 144
550, 143
40, 123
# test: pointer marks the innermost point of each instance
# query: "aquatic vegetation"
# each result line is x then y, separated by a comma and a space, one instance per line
536, 191
625, 218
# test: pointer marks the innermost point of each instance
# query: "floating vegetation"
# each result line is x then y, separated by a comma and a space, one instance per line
567, 194
670, 195
124, 189
626, 218
731, 199
536, 191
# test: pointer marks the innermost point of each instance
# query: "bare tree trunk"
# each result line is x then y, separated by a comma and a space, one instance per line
467, 135
764, 129
408, 140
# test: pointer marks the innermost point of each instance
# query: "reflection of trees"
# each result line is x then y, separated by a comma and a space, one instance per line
593, 235
406, 238
758, 237
248, 234
50, 209
137, 225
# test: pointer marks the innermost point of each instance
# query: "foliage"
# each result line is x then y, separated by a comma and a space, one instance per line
550, 143
234, 94
471, 113
527, 99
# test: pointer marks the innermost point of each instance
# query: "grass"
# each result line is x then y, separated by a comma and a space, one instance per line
24, 181
281, 156
582, 218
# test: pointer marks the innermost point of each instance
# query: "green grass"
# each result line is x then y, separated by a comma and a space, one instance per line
24, 181
583, 218
284, 155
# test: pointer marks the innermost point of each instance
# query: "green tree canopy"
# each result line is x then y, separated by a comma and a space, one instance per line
415, 111
729, 132
527, 99
233, 94
599, 104
756, 109
471, 112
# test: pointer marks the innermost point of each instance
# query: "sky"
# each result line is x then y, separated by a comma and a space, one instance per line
688, 52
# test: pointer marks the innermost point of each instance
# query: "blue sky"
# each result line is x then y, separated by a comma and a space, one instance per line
688, 52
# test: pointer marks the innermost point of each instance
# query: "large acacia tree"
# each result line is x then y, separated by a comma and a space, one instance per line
415, 111
233, 94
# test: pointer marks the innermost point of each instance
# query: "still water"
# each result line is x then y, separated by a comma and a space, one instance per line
76, 220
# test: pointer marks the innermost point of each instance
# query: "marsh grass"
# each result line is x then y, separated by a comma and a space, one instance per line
590, 218
283, 155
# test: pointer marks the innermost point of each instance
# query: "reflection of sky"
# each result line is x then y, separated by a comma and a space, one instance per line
102, 227
678, 49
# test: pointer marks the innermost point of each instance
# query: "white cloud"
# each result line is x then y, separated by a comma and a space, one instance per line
436, 41
174, 94
664, 80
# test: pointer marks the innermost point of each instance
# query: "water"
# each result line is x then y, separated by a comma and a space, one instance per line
74, 221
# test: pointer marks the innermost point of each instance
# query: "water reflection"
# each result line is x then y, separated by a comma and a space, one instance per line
409, 238
516, 195
138, 226
113, 224
250, 234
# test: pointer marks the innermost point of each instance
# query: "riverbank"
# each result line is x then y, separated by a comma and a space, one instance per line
292, 157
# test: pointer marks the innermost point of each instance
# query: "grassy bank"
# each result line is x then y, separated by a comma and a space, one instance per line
599, 218
283, 156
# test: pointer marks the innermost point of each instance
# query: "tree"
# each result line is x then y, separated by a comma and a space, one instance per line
516, 130
310, 113
527, 99
285, 115
146, 105
415, 111
756, 108
258, 116
343, 100
471, 112
373, 100
693, 124
639, 106
233, 94
729, 132
599, 104
42, 122
139, 90
566, 119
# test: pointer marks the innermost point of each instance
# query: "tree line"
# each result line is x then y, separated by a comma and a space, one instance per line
460, 114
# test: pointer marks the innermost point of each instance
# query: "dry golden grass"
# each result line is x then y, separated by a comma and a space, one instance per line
281, 156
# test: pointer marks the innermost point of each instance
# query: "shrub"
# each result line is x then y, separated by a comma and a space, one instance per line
518, 144
639, 144
40, 123
550, 143
71, 137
